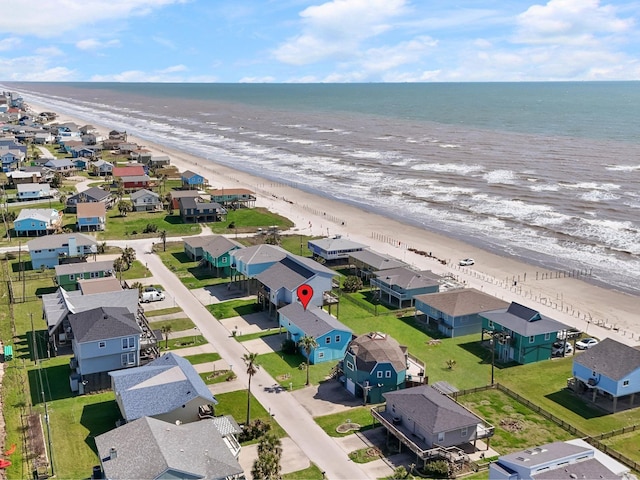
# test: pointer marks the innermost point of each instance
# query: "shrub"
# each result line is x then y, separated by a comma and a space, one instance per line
253, 430
437, 468
352, 284
232, 225
150, 228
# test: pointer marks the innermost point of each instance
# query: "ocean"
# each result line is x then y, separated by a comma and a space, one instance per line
548, 173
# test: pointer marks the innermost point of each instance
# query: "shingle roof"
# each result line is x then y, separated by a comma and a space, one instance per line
336, 244
408, 279
189, 174
284, 274
33, 187
148, 448
143, 192
610, 358
457, 303
103, 323
523, 320
259, 254
432, 410
314, 322
91, 209
375, 347
219, 245
93, 193
161, 386
135, 178
59, 163
41, 214
60, 240
377, 261
84, 267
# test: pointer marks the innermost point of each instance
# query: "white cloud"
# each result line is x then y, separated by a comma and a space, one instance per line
336, 29
391, 56
169, 74
265, 79
9, 43
573, 22
174, 69
54, 18
93, 44
34, 69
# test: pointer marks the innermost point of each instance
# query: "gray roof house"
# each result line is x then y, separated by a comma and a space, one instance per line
558, 460
168, 388
399, 286
93, 194
366, 262
153, 449
423, 419
334, 249
145, 200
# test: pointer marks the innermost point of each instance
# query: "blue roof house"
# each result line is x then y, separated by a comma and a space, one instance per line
331, 335
373, 364
192, 180
609, 371
104, 339
48, 251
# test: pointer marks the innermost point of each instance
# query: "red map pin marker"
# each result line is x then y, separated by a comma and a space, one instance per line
305, 292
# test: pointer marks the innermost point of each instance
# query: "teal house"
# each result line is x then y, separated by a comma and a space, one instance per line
373, 364
214, 251
520, 334
67, 275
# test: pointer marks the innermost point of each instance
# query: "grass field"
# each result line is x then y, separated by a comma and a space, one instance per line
232, 308
133, 225
188, 271
203, 358
360, 415
284, 368
247, 220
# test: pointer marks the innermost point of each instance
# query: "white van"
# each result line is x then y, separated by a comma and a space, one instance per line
153, 296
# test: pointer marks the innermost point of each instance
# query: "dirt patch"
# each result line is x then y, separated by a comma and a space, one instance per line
347, 427
511, 424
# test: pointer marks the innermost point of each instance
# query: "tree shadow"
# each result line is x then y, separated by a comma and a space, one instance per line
575, 404
99, 418
182, 257
173, 219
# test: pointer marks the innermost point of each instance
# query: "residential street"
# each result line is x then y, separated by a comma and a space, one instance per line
290, 414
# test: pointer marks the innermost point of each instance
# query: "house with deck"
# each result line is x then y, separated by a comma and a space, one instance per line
234, 198
609, 370
332, 336
430, 424
11, 159
374, 363
399, 286
33, 191
145, 201
217, 254
63, 166
17, 177
176, 195
367, 262
153, 449
52, 250
91, 195
135, 182
157, 161
520, 334
128, 171
192, 180
101, 167
68, 275
194, 211
334, 249
37, 221
169, 388
91, 217
457, 312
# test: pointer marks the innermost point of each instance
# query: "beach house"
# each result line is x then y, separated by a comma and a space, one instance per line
68, 275
192, 180
374, 363
37, 221
93, 194
334, 249
456, 312
367, 262
145, 201
332, 336
520, 334
398, 286
91, 217
234, 197
193, 210
34, 191
47, 252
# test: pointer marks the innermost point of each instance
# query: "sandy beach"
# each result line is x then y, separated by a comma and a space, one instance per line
563, 296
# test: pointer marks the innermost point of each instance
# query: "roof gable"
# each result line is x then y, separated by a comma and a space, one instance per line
314, 322
610, 358
103, 323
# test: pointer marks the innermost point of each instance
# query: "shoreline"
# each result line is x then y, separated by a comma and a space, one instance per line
594, 309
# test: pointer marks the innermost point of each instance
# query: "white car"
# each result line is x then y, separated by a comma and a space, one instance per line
560, 349
466, 262
586, 343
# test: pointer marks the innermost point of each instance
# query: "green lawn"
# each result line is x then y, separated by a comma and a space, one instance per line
311, 473
161, 311
183, 342
235, 404
188, 271
176, 324
232, 308
249, 219
210, 378
360, 415
516, 426
133, 225
203, 358
253, 336
284, 368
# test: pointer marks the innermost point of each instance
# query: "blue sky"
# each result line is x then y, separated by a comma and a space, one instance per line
319, 41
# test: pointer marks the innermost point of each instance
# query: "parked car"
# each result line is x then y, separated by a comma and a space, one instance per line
560, 349
154, 296
466, 262
586, 343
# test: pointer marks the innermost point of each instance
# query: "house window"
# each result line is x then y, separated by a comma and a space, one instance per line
532, 338
625, 383
320, 355
441, 437
547, 336
128, 359
350, 366
128, 342
102, 344
387, 374
327, 340
224, 260
463, 432
490, 323
71, 276
337, 338
594, 373
380, 374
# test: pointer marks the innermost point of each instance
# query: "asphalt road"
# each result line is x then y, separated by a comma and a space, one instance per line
290, 414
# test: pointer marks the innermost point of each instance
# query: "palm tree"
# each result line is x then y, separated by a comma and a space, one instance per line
119, 266
252, 368
166, 330
267, 465
163, 237
308, 343
124, 207
128, 256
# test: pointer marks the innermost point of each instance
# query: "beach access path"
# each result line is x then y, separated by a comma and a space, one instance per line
291, 415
